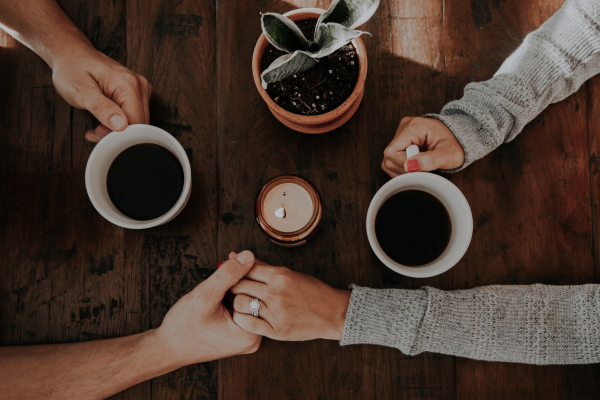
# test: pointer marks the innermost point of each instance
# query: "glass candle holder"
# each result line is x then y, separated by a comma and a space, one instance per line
288, 210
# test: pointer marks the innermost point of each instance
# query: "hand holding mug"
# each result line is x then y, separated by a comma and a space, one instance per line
293, 306
88, 79
443, 151
199, 328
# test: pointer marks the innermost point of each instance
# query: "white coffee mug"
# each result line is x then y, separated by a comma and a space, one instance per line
454, 202
105, 153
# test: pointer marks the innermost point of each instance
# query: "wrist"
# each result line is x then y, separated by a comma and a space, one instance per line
340, 303
65, 45
159, 352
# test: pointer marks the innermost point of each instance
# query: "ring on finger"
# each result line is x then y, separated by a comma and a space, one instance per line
254, 307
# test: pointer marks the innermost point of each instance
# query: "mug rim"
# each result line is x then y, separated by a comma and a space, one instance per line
175, 147
436, 267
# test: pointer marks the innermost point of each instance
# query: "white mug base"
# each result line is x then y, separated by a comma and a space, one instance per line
104, 154
460, 216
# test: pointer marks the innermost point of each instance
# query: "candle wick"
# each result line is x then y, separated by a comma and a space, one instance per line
280, 213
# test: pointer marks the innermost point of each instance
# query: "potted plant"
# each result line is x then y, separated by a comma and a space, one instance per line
310, 65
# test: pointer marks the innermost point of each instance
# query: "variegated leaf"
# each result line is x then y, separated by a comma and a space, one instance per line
283, 33
332, 36
287, 65
349, 13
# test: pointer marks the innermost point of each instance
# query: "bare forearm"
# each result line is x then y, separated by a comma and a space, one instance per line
198, 328
42, 26
87, 370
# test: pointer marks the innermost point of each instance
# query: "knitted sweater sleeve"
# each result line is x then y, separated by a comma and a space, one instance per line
551, 63
535, 324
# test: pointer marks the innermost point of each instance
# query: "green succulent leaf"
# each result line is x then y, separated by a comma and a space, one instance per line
334, 30
348, 13
283, 33
332, 36
287, 65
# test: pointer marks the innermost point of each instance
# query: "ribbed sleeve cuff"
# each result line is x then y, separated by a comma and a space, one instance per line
466, 133
387, 317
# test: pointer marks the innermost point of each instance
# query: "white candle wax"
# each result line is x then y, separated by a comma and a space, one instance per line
288, 207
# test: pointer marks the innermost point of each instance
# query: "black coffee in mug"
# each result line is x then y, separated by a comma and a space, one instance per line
145, 181
413, 228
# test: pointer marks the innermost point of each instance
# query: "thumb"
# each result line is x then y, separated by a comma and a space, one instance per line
105, 110
426, 161
228, 274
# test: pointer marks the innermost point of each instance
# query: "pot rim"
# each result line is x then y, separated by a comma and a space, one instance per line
261, 46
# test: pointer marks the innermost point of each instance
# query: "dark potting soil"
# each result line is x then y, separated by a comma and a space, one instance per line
319, 89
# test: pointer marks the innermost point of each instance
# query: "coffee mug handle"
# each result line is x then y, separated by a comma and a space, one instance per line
412, 151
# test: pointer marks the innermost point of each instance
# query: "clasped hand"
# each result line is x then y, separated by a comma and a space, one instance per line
294, 306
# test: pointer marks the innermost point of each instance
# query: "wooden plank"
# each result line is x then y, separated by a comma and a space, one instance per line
406, 60
530, 198
593, 130
174, 42
344, 165
254, 147
63, 266
85, 279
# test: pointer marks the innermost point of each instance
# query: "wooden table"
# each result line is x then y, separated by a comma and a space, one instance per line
69, 275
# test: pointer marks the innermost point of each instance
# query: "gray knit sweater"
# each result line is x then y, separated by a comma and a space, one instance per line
527, 324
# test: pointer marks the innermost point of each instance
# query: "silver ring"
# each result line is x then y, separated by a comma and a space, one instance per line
254, 307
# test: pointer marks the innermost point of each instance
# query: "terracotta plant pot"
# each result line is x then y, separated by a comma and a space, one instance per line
312, 123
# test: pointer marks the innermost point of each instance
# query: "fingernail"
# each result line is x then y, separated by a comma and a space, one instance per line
219, 264
116, 121
244, 257
412, 165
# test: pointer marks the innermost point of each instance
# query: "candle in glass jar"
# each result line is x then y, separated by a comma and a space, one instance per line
288, 207
288, 210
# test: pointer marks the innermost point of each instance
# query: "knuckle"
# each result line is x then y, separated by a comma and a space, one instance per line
283, 278
388, 164
131, 80
271, 273
388, 152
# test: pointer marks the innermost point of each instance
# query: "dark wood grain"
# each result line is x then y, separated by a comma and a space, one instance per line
253, 148
64, 270
66, 274
344, 166
174, 44
406, 78
529, 198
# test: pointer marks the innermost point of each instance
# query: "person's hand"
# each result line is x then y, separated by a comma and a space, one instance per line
293, 306
87, 79
199, 327
439, 147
